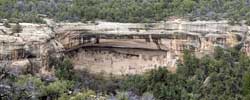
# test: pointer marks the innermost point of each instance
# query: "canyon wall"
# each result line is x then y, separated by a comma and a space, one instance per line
118, 48
129, 48
28, 49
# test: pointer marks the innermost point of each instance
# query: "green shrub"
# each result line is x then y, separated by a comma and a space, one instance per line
135, 83
64, 69
31, 86
84, 95
246, 84
57, 88
122, 96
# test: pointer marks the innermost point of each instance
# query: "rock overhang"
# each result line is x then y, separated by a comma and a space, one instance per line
124, 40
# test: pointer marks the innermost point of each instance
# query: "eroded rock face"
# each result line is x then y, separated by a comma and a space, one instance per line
118, 48
126, 48
27, 48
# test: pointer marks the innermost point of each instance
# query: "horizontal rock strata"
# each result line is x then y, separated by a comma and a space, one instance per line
119, 48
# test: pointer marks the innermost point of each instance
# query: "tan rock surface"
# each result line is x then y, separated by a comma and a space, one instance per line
119, 48
128, 53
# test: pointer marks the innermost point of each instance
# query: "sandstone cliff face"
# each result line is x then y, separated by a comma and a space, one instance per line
119, 48
126, 48
28, 48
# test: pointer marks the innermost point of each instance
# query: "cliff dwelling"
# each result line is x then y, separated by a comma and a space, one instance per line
120, 48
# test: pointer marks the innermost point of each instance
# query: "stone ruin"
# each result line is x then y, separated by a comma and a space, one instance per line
119, 48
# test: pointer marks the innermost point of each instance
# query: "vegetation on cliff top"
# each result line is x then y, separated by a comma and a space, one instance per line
125, 10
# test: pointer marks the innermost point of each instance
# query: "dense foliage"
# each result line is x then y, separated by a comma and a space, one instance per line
125, 10
223, 76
